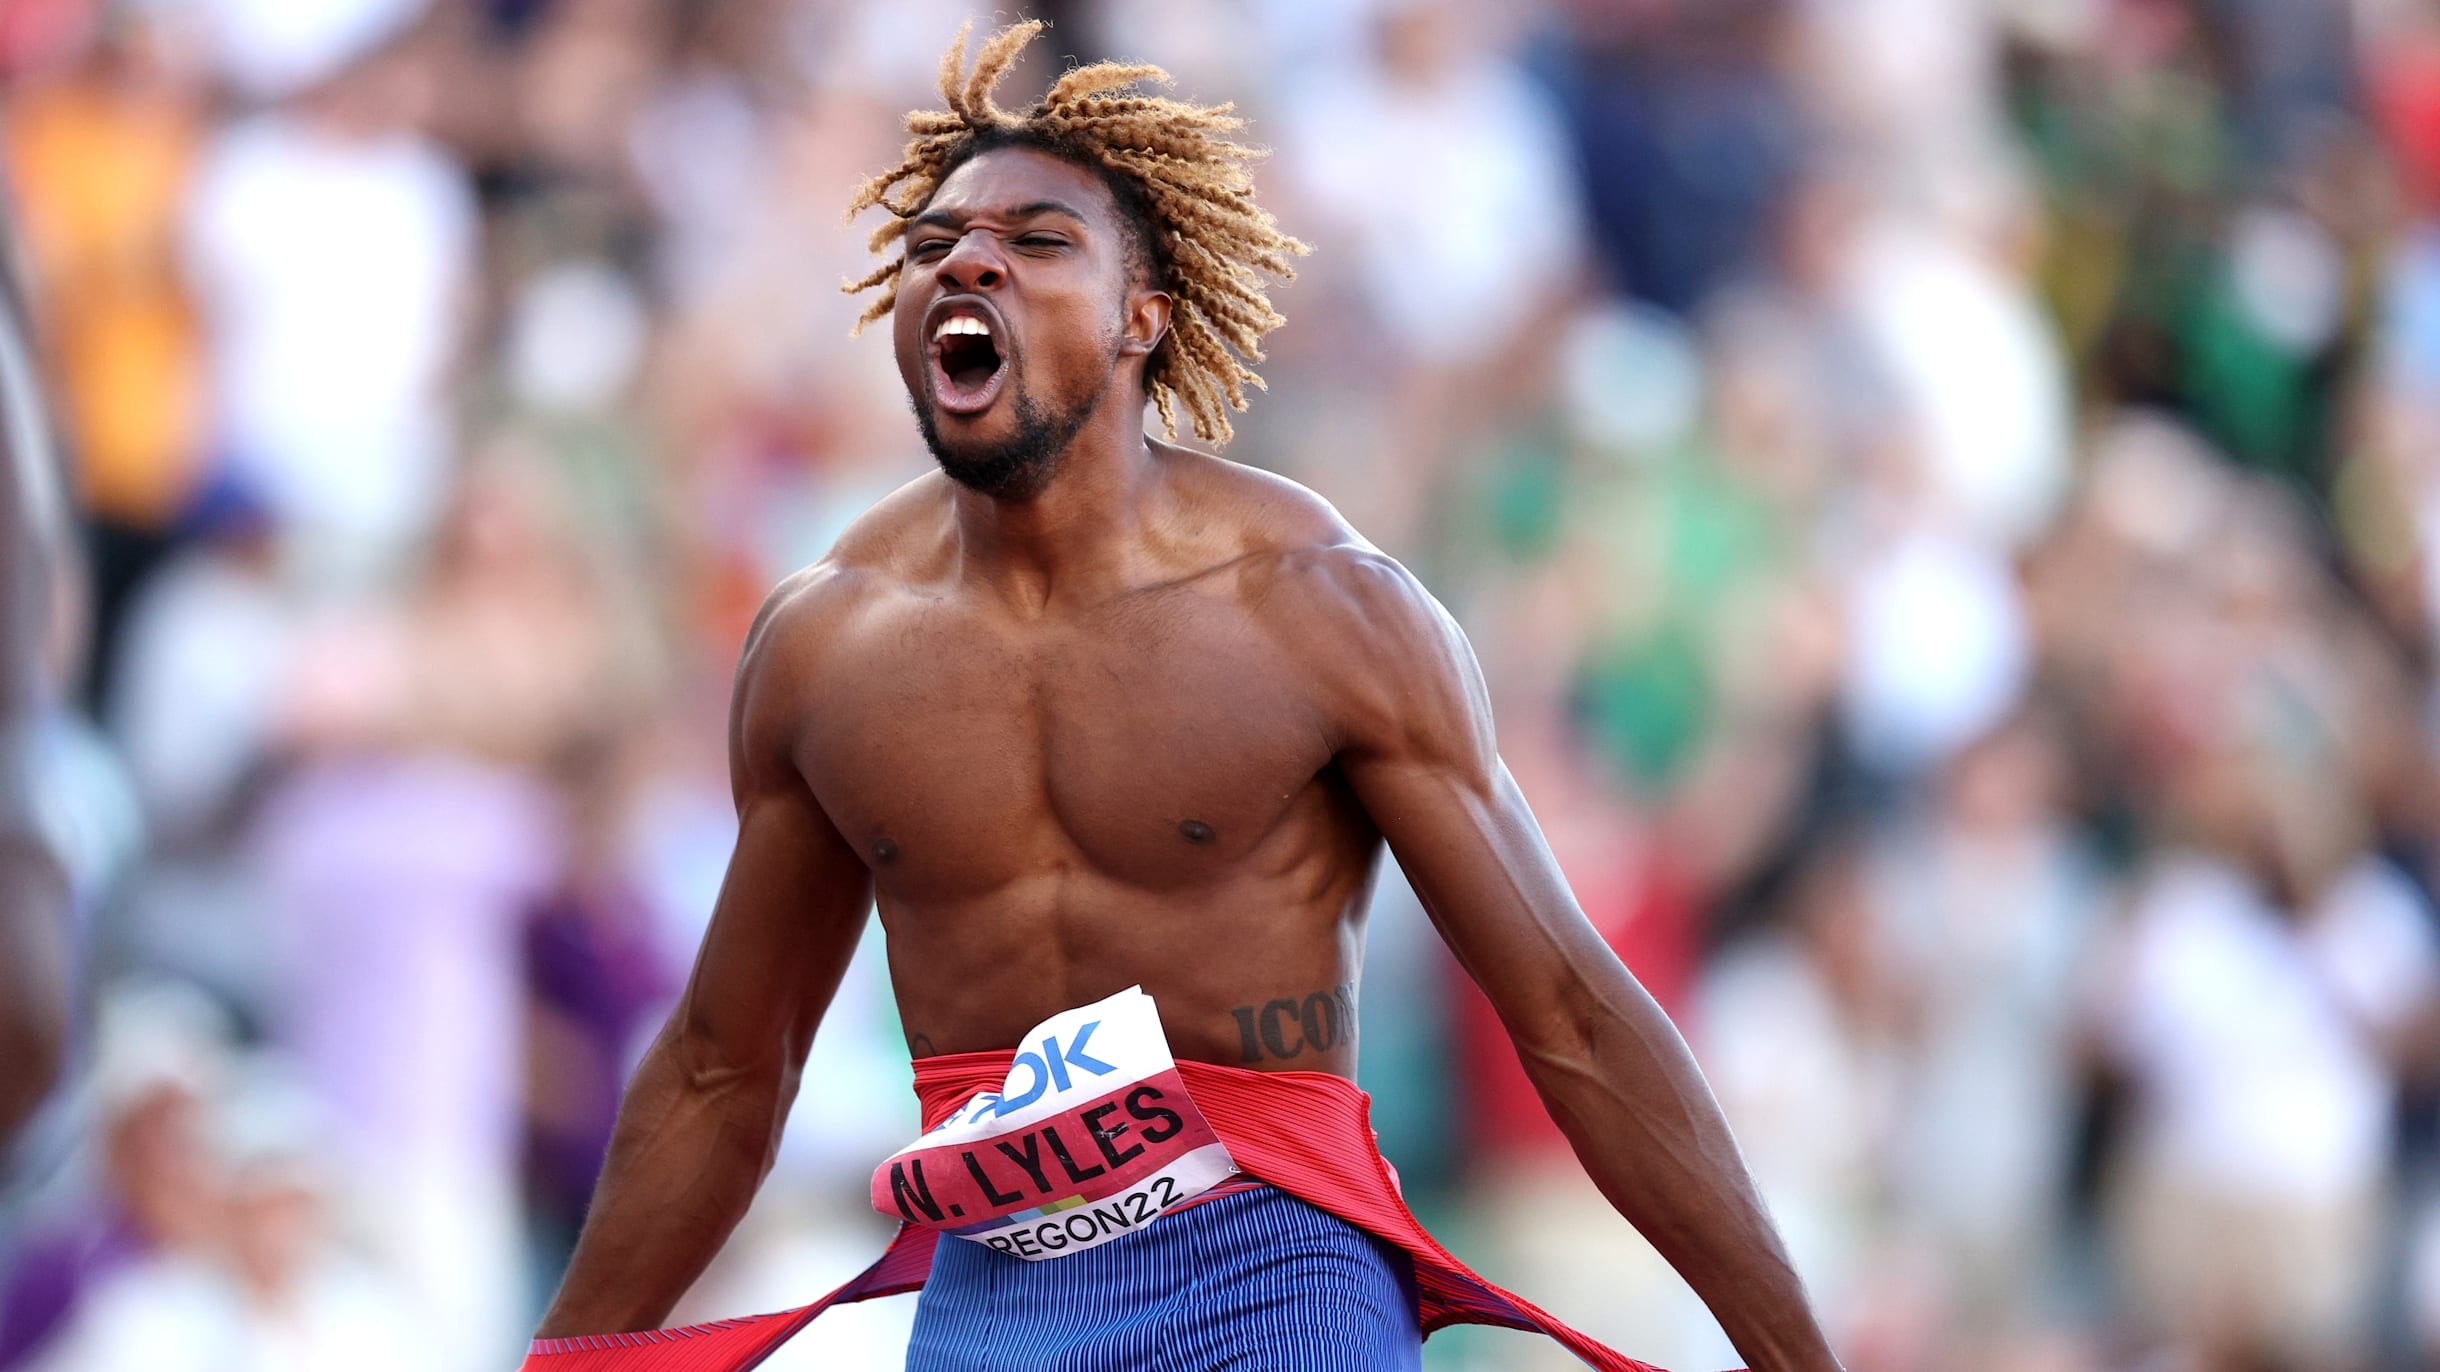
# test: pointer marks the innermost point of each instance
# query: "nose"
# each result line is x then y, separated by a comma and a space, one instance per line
973, 264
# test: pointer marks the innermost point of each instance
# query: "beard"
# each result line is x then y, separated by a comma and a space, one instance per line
1019, 466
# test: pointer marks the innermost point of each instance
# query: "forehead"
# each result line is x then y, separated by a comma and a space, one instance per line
1002, 179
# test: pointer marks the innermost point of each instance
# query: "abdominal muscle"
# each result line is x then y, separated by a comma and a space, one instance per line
1242, 977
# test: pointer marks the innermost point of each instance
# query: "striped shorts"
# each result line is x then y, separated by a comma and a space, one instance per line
1254, 1280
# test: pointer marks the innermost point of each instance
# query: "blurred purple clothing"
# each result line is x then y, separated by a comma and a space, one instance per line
48, 1275
591, 961
402, 886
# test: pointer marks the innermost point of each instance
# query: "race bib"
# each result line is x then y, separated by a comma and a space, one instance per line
1091, 1136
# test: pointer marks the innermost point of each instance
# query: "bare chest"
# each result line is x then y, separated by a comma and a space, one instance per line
1158, 743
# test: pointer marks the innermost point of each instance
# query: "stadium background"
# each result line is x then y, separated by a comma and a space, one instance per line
1945, 493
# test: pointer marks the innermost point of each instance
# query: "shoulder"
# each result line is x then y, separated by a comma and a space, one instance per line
1380, 653
809, 614
1297, 556
1324, 591
1388, 663
889, 547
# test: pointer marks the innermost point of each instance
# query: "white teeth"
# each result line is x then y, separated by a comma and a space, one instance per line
962, 323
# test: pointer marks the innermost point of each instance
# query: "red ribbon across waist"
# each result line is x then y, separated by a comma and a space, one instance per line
1307, 1133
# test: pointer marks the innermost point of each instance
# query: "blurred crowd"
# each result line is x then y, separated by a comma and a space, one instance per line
1946, 494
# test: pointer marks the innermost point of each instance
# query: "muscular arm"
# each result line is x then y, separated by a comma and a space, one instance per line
1416, 744
701, 1122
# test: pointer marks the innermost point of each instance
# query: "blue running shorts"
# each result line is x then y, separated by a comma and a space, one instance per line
1251, 1281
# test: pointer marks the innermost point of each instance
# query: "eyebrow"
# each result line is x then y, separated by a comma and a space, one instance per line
1029, 210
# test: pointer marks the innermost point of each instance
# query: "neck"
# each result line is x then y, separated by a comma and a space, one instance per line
1078, 535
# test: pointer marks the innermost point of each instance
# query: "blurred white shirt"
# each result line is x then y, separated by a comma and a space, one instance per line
1978, 368
332, 271
1461, 195
2252, 1038
1940, 647
180, 1316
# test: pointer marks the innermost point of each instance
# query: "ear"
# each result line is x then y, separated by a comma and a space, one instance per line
1146, 322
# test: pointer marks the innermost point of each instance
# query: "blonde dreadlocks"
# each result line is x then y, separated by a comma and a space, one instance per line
1169, 159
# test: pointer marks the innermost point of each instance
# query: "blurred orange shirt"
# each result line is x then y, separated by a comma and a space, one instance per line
101, 172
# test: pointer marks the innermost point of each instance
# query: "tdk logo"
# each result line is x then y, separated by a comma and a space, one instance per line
1047, 1069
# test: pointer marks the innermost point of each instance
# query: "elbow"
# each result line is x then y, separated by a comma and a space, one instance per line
1578, 1020
708, 1068
749, 1093
1559, 1030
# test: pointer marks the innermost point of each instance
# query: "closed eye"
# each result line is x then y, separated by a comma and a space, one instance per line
1041, 240
928, 249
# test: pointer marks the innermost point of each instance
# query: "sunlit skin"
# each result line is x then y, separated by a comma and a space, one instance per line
1146, 722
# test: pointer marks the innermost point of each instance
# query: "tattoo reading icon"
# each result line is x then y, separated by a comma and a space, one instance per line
1285, 1028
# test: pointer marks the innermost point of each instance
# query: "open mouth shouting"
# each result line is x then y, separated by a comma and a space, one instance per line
968, 357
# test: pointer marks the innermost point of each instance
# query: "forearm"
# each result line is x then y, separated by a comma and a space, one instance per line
689, 1151
1623, 1087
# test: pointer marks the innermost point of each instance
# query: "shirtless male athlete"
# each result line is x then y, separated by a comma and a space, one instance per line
1087, 711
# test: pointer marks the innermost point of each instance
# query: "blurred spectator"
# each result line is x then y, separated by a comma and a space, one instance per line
332, 245
208, 656
594, 978
401, 858
1685, 133
1985, 902
1944, 495
2249, 1009
1797, 1029
1455, 264
269, 1294
1450, 270
102, 152
161, 1055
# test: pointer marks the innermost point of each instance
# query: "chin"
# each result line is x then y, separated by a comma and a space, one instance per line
1007, 482
968, 437
1009, 452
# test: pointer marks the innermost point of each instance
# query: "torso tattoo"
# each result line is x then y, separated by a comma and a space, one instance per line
1278, 1030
